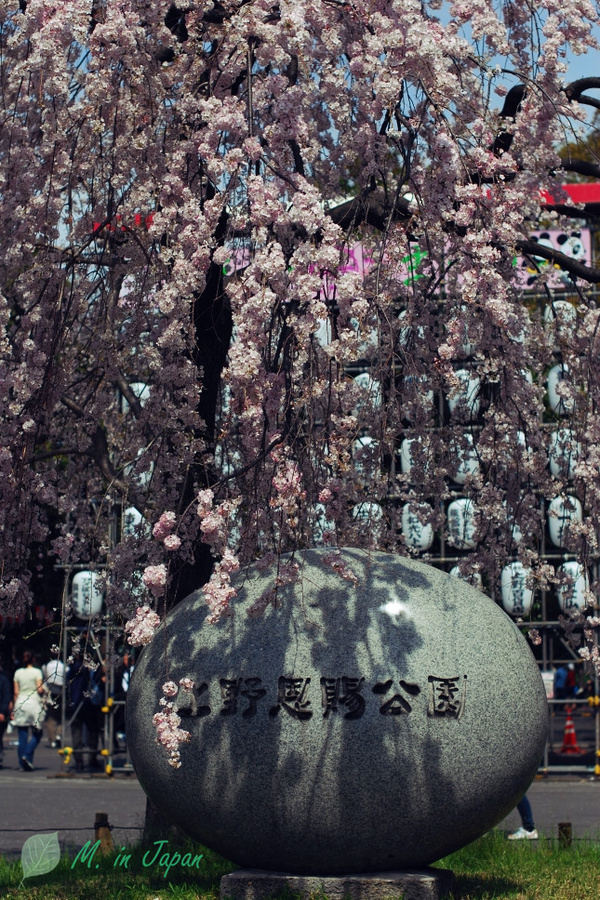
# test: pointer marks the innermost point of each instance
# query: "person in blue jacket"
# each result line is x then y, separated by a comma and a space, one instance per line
84, 700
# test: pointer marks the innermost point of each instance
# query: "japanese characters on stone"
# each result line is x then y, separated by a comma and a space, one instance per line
346, 696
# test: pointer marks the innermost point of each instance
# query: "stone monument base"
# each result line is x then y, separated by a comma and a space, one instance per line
421, 884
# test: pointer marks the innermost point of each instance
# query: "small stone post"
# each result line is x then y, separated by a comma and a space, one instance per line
565, 834
102, 834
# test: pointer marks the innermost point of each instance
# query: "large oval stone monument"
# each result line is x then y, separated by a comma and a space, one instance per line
354, 728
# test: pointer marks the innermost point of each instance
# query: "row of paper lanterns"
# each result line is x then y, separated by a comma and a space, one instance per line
564, 451
462, 519
563, 513
87, 597
517, 593
560, 311
463, 402
466, 398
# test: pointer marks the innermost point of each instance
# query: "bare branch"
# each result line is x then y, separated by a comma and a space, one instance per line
370, 209
581, 167
575, 90
98, 451
573, 266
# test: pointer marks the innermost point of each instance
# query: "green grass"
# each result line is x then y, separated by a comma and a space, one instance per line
493, 868
106, 878
489, 869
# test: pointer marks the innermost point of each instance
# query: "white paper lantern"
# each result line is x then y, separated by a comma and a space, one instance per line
234, 529
516, 535
407, 459
474, 578
411, 451
517, 597
369, 338
561, 405
512, 453
323, 333
365, 457
407, 331
571, 594
369, 519
462, 524
467, 461
466, 400
134, 523
564, 451
370, 396
562, 513
86, 595
321, 525
141, 471
417, 390
562, 316
416, 531
141, 390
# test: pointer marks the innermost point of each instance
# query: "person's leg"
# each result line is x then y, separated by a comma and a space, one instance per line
36, 736
77, 742
526, 813
2, 730
93, 723
22, 745
51, 724
527, 829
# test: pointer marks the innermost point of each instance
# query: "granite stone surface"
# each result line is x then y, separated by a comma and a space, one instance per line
355, 728
425, 884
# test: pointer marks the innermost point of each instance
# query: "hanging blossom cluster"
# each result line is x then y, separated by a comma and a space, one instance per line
163, 531
167, 722
140, 630
155, 579
215, 524
287, 486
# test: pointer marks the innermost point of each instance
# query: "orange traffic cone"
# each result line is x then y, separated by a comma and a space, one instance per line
570, 744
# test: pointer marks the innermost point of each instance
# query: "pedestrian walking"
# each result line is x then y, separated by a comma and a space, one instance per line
28, 710
84, 701
54, 674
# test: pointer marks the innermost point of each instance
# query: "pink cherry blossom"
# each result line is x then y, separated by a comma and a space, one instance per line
141, 628
164, 526
155, 579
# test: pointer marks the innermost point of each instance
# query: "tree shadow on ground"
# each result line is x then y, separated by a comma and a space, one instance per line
486, 887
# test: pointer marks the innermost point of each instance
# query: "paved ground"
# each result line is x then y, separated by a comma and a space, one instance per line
557, 799
43, 801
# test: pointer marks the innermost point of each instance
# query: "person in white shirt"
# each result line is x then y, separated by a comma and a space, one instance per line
28, 709
54, 676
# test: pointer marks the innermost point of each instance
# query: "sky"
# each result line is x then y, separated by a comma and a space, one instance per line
586, 65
